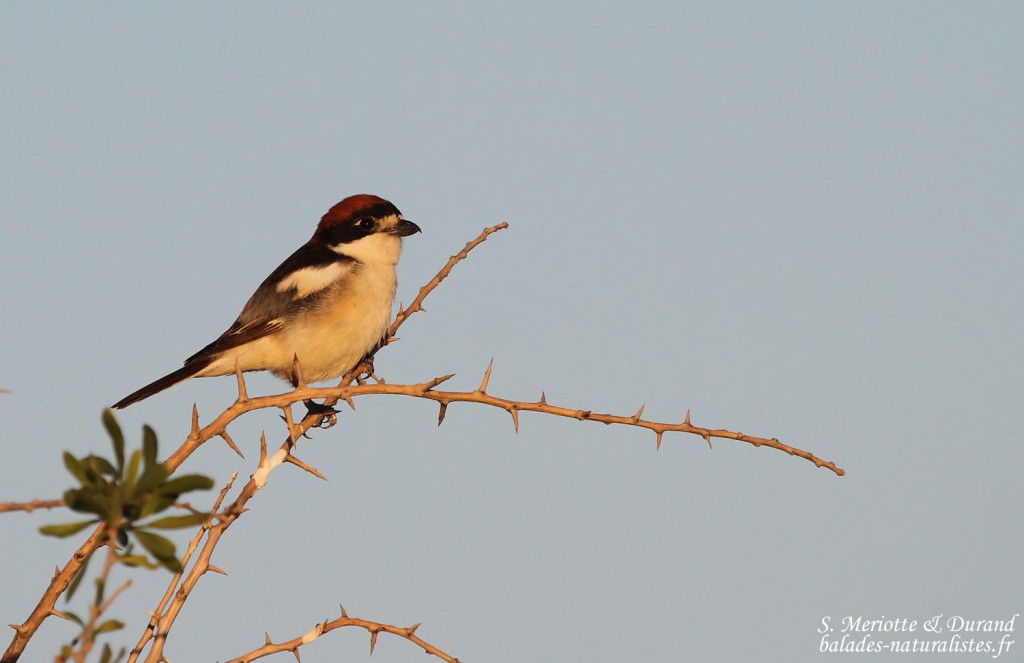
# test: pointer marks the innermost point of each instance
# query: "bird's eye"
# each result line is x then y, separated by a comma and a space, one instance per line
366, 224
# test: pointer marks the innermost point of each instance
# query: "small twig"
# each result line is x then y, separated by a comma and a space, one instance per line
29, 507
86, 639
417, 303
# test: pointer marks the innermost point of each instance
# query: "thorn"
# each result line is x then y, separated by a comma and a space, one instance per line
56, 571
373, 641
298, 379
514, 411
487, 378
351, 403
707, 438
309, 468
543, 398
658, 441
263, 448
422, 309
636, 417
231, 443
57, 613
686, 421
440, 414
17, 627
297, 657
195, 421
243, 396
216, 569
412, 629
436, 381
291, 424
268, 638
344, 615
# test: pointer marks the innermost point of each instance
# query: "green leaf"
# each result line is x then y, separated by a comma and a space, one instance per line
130, 512
177, 522
110, 625
155, 504
116, 437
133, 470
74, 617
101, 587
67, 529
158, 546
77, 580
138, 560
184, 484
152, 476
108, 654
87, 500
149, 446
101, 466
162, 549
172, 564
75, 467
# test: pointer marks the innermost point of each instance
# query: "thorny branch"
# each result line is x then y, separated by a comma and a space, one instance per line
327, 626
60, 581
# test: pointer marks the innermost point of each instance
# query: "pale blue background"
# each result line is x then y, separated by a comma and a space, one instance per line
800, 220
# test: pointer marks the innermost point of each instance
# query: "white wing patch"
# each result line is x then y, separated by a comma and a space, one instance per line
308, 280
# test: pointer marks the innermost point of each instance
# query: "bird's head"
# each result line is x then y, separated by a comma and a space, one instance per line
365, 227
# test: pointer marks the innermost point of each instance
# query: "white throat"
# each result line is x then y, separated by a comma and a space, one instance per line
379, 248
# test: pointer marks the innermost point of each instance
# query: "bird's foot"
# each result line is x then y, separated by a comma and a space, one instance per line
364, 371
312, 407
328, 415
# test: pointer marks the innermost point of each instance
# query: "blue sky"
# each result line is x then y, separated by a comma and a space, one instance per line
799, 220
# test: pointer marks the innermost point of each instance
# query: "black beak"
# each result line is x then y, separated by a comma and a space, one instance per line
404, 228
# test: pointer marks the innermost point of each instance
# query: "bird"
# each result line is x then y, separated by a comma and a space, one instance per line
325, 307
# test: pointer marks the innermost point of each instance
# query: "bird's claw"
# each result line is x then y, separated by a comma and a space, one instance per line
312, 407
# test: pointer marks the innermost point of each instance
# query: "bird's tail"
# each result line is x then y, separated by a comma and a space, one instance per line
166, 382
